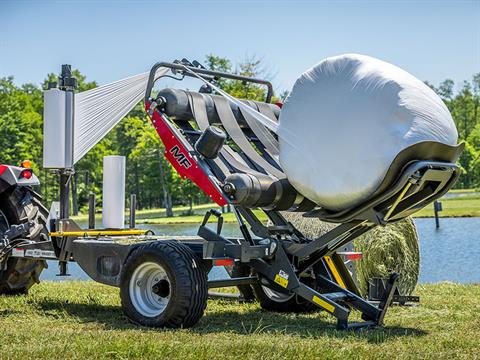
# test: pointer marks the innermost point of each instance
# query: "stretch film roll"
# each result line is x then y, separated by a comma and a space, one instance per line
114, 192
54, 129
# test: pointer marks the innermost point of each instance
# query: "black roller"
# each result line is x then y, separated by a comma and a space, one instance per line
178, 106
262, 191
210, 142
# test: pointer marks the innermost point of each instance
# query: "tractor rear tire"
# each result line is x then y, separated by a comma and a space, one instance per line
163, 284
20, 206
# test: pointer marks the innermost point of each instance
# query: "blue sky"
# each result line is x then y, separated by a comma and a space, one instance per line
110, 40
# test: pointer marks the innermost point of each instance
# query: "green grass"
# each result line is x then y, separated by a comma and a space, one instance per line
158, 216
84, 320
153, 213
195, 219
467, 206
456, 191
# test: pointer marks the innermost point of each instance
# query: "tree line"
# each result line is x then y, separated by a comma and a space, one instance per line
464, 107
149, 174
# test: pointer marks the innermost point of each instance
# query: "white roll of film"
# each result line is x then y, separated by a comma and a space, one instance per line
54, 129
113, 192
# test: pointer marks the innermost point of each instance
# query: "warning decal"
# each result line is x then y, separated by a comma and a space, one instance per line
281, 279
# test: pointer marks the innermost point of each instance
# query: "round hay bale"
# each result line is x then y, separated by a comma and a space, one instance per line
385, 249
310, 227
388, 249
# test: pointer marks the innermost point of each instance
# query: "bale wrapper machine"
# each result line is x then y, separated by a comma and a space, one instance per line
234, 159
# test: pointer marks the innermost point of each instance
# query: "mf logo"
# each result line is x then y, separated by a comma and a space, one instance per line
180, 157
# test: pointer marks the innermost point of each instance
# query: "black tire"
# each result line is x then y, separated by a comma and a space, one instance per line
20, 206
280, 302
187, 285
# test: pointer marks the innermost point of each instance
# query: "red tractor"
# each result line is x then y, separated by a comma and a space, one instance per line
22, 219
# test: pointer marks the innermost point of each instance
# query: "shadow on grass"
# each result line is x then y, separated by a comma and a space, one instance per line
8, 312
311, 325
240, 323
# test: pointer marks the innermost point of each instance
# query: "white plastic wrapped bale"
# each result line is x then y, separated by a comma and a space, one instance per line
345, 121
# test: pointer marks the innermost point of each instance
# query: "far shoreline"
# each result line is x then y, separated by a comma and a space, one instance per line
184, 220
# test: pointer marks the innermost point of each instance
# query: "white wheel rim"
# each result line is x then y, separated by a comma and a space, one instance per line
142, 294
276, 295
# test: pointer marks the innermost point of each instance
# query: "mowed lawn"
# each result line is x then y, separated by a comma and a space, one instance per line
84, 320
468, 206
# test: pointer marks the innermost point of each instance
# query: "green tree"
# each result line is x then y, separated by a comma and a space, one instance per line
464, 107
251, 67
445, 90
21, 126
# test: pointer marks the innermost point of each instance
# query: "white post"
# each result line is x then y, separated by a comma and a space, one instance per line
113, 192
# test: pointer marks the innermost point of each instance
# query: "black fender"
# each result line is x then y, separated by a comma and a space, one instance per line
13, 176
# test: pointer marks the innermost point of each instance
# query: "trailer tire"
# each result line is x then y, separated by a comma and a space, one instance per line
20, 206
163, 284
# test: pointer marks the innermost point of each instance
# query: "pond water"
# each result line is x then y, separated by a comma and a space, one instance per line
450, 253
460, 194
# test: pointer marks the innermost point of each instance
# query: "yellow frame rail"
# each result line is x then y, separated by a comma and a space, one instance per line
334, 271
395, 204
98, 233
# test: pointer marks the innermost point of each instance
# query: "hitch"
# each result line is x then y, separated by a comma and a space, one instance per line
13, 233
16, 231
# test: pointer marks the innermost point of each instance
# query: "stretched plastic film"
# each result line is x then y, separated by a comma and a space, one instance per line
98, 110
